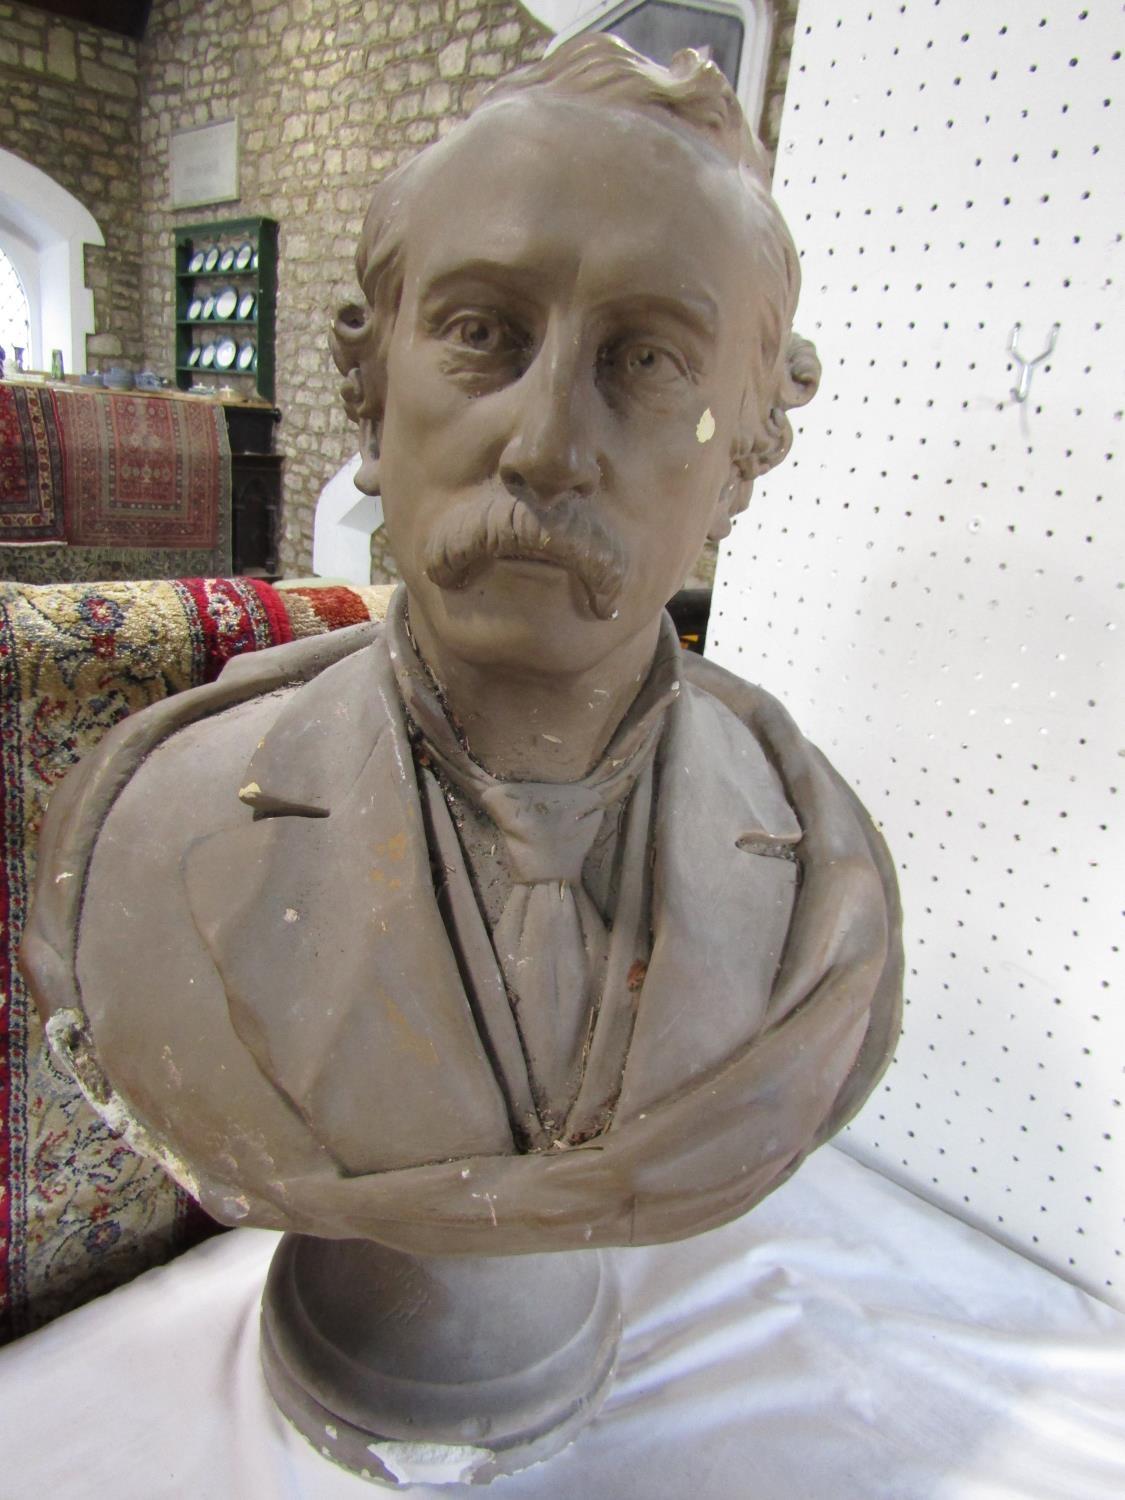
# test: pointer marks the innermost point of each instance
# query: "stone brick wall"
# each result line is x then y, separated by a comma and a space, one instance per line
69, 106
329, 95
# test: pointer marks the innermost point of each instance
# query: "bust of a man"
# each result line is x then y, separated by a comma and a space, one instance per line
503, 925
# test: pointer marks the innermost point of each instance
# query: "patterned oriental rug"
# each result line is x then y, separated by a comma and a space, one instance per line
142, 471
31, 484
79, 1212
113, 477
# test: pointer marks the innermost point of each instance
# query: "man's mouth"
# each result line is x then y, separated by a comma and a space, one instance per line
537, 558
573, 538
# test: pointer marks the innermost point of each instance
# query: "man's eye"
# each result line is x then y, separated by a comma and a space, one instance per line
481, 334
644, 364
643, 359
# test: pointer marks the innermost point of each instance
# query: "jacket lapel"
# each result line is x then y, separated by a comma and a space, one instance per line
724, 883
321, 919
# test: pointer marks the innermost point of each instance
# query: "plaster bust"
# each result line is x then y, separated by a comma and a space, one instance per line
503, 926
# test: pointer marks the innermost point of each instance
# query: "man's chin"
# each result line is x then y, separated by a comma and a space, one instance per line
520, 612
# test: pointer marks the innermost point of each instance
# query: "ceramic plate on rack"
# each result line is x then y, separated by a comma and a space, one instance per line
246, 306
247, 356
207, 358
195, 264
193, 355
212, 258
244, 256
226, 260
254, 261
226, 301
225, 354
195, 308
209, 308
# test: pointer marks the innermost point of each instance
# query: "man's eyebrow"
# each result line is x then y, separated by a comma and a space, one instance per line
499, 274
696, 309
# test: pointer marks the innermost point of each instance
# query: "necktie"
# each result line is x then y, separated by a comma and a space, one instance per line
550, 941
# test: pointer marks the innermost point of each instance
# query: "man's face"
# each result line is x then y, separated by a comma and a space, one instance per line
564, 379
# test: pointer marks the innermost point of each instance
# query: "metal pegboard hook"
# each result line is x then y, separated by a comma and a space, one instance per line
1023, 382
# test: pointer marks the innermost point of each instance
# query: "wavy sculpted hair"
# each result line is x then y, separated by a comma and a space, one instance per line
782, 369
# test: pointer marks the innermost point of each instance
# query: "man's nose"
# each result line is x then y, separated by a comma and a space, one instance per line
552, 450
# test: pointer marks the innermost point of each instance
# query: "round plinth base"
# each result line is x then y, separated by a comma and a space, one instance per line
436, 1369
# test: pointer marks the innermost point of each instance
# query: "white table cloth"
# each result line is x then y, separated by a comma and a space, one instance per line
845, 1341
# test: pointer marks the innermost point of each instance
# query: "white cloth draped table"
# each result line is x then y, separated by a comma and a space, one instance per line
844, 1341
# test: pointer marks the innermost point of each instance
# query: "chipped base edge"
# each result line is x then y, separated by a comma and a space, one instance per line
429, 1463
394, 1464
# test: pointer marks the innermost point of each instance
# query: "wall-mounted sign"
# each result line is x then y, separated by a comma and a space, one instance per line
204, 164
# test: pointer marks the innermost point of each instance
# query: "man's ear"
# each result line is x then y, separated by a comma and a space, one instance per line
360, 359
734, 497
366, 477
766, 435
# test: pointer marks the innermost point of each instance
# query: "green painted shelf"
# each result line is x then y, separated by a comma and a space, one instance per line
195, 240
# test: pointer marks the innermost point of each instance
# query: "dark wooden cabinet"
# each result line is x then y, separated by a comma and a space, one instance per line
256, 490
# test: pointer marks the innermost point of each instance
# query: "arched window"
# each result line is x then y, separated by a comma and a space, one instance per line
44, 231
15, 313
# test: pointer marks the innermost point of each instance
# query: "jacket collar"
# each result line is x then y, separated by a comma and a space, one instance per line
321, 739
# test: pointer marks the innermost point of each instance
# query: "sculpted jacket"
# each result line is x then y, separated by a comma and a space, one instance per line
236, 943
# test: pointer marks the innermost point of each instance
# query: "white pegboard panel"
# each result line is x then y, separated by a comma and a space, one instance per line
932, 581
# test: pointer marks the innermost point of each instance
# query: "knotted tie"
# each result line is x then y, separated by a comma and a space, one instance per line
550, 940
